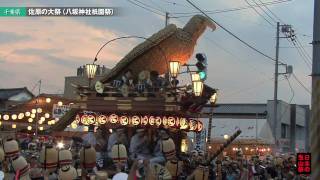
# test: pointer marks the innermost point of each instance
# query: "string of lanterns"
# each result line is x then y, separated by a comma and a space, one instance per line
30, 116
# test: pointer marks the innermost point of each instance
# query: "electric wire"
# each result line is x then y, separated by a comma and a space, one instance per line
143, 7
292, 96
300, 83
235, 36
149, 6
268, 9
253, 8
232, 9
264, 11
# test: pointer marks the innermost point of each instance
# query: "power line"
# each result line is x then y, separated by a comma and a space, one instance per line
149, 6
235, 36
292, 96
264, 11
232, 54
233, 9
143, 7
268, 9
301, 84
259, 13
300, 46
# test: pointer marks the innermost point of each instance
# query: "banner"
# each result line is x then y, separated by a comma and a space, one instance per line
59, 111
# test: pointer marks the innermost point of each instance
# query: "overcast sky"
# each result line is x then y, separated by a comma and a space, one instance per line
50, 48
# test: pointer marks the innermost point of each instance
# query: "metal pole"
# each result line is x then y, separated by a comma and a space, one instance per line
167, 19
276, 74
37, 115
315, 123
210, 126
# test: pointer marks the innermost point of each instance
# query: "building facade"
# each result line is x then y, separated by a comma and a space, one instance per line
82, 80
257, 124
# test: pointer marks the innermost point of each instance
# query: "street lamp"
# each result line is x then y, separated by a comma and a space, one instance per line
174, 67
91, 71
197, 87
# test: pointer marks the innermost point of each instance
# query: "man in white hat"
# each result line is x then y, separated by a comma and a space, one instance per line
139, 145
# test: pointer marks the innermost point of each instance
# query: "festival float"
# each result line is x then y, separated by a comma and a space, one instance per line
143, 90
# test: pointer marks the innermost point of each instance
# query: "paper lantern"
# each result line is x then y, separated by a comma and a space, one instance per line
39, 110
13, 116
20, 164
171, 121
33, 115
27, 113
0, 123
87, 157
29, 128
168, 148
158, 121
102, 119
33, 111
53, 121
40, 122
135, 120
60, 103
41, 128
124, 120
11, 148
65, 157
144, 120
46, 115
42, 118
119, 153
30, 120
152, 120
49, 158
49, 123
6, 117
14, 126
21, 115
113, 118
48, 100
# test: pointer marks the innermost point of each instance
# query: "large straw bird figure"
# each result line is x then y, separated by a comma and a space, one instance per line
170, 43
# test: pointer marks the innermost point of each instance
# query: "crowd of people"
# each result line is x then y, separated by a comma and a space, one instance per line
112, 155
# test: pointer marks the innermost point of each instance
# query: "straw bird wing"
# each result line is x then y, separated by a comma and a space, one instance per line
139, 50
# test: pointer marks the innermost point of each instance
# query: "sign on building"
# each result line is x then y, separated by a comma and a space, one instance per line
59, 111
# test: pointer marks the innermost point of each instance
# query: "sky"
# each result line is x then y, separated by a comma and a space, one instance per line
51, 48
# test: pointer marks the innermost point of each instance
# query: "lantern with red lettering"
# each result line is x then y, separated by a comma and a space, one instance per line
135, 120
102, 119
113, 118
124, 120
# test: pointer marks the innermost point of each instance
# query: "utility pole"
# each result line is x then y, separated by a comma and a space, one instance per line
167, 19
37, 115
315, 108
276, 74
